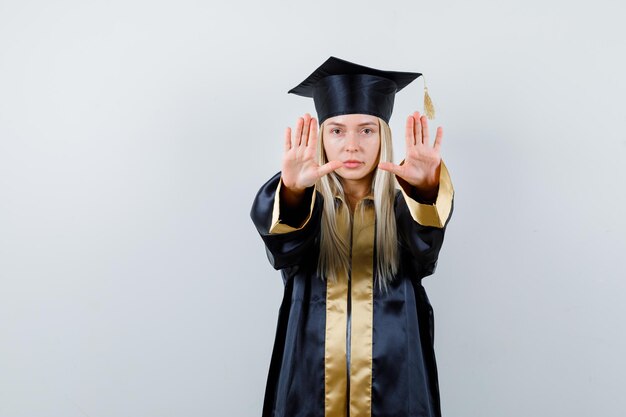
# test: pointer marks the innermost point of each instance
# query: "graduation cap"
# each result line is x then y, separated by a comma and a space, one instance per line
341, 87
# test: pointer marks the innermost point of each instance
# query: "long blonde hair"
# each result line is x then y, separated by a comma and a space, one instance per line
334, 256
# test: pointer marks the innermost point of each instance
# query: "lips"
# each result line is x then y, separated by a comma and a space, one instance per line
352, 163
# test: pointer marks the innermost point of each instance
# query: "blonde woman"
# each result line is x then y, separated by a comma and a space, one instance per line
355, 328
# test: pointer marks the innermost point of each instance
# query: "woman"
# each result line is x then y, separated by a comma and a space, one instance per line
355, 328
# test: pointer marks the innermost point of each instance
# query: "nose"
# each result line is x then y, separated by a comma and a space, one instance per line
352, 142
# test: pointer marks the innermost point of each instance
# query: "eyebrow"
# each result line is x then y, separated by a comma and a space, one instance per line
360, 124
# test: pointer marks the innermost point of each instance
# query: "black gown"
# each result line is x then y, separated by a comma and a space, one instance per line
347, 348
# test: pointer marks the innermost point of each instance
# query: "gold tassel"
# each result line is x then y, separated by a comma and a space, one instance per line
429, 108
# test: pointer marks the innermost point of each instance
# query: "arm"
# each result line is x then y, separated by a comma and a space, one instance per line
424, 206
421, 226
286, 242
287, 210
433, 210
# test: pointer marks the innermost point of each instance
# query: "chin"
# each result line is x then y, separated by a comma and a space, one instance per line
358, 174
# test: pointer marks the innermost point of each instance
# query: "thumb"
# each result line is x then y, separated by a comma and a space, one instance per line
391, 167
329, 167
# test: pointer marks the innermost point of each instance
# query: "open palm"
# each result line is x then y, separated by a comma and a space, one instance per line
422, 164
300, 170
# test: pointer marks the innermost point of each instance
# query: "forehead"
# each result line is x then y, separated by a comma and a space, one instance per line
352, 120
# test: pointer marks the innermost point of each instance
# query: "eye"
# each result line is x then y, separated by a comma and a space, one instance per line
367, 130
335, 131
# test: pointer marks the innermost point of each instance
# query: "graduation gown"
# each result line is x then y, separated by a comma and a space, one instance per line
346, 348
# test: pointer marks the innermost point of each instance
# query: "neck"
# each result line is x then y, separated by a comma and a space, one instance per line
356, 190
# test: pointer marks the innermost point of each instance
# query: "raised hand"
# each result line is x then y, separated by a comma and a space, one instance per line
422, 164
300, 170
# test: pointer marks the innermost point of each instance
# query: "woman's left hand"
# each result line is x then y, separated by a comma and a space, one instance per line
422, 164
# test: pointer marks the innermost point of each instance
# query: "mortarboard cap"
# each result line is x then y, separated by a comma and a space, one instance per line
341, 87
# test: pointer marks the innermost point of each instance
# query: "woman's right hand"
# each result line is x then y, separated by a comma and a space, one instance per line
300, 170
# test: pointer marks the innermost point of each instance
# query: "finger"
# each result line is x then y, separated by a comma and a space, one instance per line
438, 138
309, 152
328, 168
302, 149
391, 167
287, 139
305, 129
425, 134
298, 135
409, 134
418, 128
312, 137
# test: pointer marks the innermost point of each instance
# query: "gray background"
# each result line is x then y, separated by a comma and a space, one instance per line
134, 135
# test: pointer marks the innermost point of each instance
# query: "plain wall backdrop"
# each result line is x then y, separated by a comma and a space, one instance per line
134, 135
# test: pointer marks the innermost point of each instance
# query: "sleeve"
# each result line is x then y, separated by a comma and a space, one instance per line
421, 226
287, 237
436, 214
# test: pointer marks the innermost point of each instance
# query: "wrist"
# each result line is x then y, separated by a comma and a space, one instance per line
292, 187
426, 194
423, 192
291, 195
